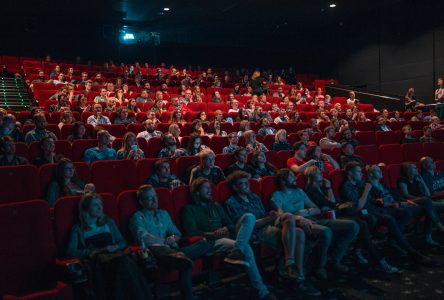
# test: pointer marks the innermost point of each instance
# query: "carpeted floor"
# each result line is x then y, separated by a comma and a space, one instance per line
415, 282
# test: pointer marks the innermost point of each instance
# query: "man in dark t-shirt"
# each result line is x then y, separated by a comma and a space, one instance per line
433, 179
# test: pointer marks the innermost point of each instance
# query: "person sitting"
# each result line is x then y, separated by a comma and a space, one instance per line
326, 163
280, 141
427, 135
175, 131
397, 117
433, 179
150, 115
436, 123
279, 93
356, 192
78, 132
241, 163
47, 152
97, 240
297, 163
348, 155
102, 97
66, 182
215, 129
328, 141
233, 144
204, 217
265, 127
195, 145
289, 198
244, 126
153, 228
408, 137
206, 168
282, 117
347, 137
97, 118
251, 144
313, 126
130, 149
149, 131
352, 98
132, 106
382, 125
66, 118
261, 167
197, 127
216, 98
234, 106
243, 201
123, 117
143, 98
102, 151
39, 132
111, 105
170, 147
162, 176
8, 156
177, 117
9, 128
319, 190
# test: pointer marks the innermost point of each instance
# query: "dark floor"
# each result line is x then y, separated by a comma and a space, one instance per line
415, 282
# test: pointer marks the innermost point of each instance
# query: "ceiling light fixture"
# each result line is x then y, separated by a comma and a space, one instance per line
333, 5
166, 9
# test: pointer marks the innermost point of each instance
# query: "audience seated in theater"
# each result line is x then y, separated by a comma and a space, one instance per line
103, 97
39, 131
97, 236
174, 130
297, 163
153, 228
313, 126
204, 217
111, 105
265, 129
206, 168
352, 98
47, 153
241, 164
347, 137
78, 132
242, 115
336, 234
261, 167
98, 118
9, 128
177, 117
216, 98
304, 137
348, 155
244, 126
132, 106
356, 192
150, 115
397, 117
177, 105
325, 163
130, 149
103, 151
436, 123
215, 129
158, 107
149, 131
328, 141
66, 183
162, 176
82, 105
8, 156
121, 97
233, 144
250, 142
170, 147
234, 106
382, 125
419, 116
408, 137
279, 93
195, 145
280, 141
66, 118
282, 117
123, 117
288, 236
202, 117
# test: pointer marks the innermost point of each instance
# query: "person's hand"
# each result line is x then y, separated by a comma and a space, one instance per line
171, 241
306, 225
111, 248
368, 185
89, 188
221, 232
379, 202
325, 209
273, 214
312, 161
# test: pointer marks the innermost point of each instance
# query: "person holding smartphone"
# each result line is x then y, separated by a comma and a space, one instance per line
130, 149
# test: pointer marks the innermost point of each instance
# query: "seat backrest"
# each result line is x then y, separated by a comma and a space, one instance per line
224, 160
366, 137
79, 147
434, 150
114, 176
337, 177
412, 152
127, 205
394, 170
19, 183
268, 186
370, 153
154, 147
183, 164
217, 143
66, 215
145, 168
27, 248
391, 154
388, 137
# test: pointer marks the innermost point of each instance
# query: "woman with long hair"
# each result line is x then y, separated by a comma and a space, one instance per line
130, 149
97, 240
324, 162
261, 166
78, 132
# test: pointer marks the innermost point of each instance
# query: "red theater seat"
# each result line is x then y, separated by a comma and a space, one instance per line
366, 137
388, 137
370, 153
114, 176
412, 152
145, 168
434, 150
28, 253
79, 146
391, 154
268, 187
19, 183
224, 191
337, 177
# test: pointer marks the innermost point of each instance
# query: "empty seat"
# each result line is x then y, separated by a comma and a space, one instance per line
268, 187
393, 171
337, 177
224, 160
28, 252
365, 126
391, 154
388, 137
114, 176
184, 165
19, 183
154, 145
412, 151
366, 137
117, 130
369, 153
434, 150
217, 143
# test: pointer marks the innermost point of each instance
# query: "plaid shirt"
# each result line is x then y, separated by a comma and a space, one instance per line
237, 207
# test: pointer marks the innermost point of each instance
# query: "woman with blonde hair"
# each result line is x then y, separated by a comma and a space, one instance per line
130, 149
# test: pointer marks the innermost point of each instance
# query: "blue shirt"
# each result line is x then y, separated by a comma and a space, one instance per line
93, 154
434, 182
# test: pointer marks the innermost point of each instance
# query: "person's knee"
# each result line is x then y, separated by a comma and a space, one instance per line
248, 218
288, 220
326, 235
300, 236
354, 228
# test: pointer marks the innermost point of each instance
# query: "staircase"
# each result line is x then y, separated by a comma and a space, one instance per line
13, 94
